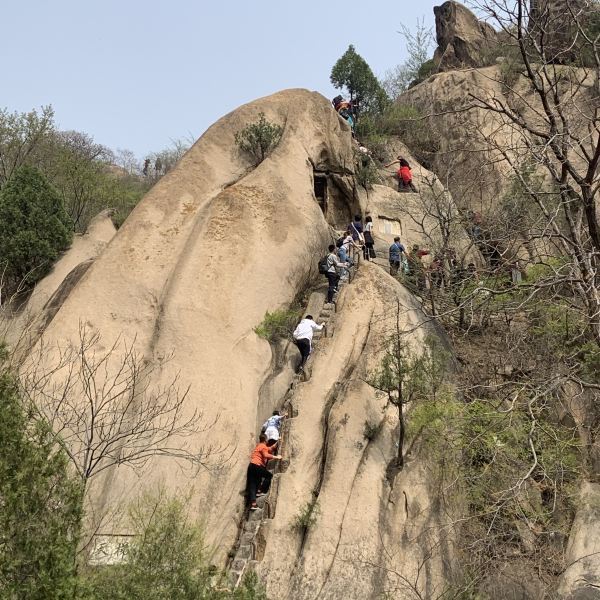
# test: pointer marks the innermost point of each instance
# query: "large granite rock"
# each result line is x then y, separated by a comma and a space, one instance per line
463, 40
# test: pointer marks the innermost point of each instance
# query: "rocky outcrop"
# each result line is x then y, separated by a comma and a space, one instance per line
211, 248
463, 40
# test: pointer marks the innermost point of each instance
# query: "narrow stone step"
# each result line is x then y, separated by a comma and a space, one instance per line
252, 525
256, 515
247, 537
244, 552
238, 565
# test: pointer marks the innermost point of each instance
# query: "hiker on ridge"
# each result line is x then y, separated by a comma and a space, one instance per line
303, 335
396, 251
258, 478
333, 264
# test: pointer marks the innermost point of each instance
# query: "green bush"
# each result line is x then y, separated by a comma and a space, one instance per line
407, 123
34, 227
278, 324
365, 171
40, 506
307, 517
259, 139
166, 560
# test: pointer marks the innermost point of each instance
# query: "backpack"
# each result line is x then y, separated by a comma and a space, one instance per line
324, 265
339, 242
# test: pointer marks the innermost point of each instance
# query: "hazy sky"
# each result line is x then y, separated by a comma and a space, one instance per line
137, 74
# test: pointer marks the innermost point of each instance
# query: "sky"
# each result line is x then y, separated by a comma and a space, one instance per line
138, 75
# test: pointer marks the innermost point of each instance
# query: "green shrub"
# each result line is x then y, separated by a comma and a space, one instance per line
40, 509
259, 139
34, 227
407, 123
278, 324
366, 171
166, 560
307, 517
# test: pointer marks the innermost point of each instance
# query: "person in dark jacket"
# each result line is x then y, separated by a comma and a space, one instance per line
396, 250
258, 479
369, 247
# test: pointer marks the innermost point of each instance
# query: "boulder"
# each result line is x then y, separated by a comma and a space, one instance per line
463, 40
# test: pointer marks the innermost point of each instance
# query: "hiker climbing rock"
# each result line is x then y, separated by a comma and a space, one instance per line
369, 247
346, 110
356, 228
303, 335
396, 251
333, 264
258, 479
403, 175
272, 429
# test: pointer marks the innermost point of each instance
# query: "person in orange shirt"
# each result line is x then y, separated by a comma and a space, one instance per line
259, 477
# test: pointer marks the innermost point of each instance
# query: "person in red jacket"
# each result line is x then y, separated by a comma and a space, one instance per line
258, 478
404, 175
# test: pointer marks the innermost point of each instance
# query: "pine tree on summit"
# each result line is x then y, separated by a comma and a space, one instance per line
352, 72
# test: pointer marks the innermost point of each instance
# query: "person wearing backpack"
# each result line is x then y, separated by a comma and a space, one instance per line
396, 251
333, 264
303, 335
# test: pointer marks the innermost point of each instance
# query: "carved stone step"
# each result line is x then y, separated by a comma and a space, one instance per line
252, 525
244, 552
255, 515
238, 565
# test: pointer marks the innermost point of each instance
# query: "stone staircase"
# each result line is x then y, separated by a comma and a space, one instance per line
252, 539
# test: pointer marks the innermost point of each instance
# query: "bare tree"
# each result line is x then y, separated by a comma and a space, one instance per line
105, 412
552, 111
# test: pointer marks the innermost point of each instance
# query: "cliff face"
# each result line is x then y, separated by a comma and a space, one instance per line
211, 248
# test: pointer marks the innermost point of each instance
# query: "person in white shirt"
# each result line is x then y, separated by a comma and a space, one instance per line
303, 335
333, 264
272, 428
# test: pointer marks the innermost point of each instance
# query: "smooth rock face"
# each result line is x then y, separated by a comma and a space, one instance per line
581, 579
462, 38
212, 247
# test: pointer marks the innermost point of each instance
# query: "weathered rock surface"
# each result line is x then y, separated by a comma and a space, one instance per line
212, 247
581, 578
463, 40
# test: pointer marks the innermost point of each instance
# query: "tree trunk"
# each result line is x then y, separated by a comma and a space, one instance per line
401, 426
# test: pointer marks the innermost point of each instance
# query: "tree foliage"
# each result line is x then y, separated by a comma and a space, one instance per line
418, 65
40, 509
166, 560
34, 227
352, 72
259, 139
22, 135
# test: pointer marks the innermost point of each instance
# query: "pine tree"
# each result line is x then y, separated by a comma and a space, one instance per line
352, 72
34, 227
40, 506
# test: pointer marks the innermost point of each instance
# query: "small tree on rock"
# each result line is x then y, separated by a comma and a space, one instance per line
34, 227
352, 72
259, 139
406, 376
